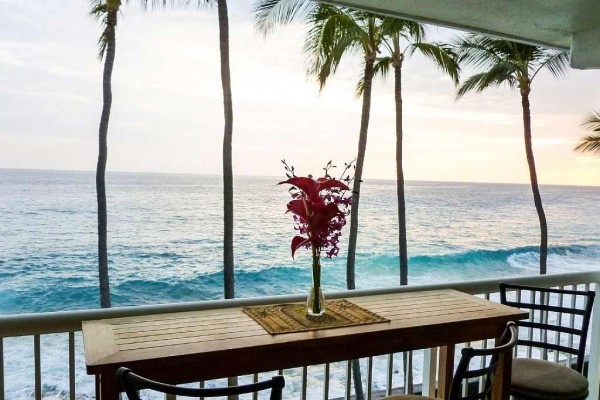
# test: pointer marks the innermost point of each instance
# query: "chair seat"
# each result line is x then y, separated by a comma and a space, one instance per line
538, 379
407, 397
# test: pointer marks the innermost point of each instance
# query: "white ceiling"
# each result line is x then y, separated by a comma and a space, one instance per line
562, 24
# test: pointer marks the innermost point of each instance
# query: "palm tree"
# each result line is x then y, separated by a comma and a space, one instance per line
228, 263
336, 32
591, 142
516, 65
227, 151
396, 33
106, 11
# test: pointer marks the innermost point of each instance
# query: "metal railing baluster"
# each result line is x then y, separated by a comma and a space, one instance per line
348, 379
254, 380
484, 344
38, 367
72, 365
369, 378
390, 371
485, 361
465, 384
304, 381
326, 383
201, 386
408, 375
1, 368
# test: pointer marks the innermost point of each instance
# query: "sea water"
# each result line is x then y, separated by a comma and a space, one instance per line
165, 245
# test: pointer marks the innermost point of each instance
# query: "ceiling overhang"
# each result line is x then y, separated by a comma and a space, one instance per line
560, 24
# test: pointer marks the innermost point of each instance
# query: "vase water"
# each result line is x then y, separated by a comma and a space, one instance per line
315, 303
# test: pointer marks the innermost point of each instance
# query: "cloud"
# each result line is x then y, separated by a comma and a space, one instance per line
552, 141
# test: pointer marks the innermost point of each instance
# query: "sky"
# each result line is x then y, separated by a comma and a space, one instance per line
167, 103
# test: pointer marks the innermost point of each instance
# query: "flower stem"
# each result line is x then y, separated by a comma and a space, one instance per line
316, 273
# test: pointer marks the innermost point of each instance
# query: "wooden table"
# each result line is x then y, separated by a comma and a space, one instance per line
202, 345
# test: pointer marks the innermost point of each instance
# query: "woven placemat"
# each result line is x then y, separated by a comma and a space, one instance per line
288, 318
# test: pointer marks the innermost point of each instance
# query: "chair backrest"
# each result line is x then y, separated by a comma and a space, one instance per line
472, 365
131, 383
558, 320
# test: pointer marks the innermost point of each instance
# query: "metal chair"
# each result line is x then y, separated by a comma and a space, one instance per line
554, 336
131, 383
475, 358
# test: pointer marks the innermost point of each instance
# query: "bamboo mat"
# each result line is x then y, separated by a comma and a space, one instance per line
292, 317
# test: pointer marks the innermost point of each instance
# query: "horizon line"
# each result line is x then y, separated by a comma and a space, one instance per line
276, 177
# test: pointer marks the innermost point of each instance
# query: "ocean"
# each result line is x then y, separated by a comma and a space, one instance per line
165, 243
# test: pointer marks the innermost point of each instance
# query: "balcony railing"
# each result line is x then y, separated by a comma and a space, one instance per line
378, 373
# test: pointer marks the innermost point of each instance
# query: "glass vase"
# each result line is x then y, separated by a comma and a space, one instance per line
315, 303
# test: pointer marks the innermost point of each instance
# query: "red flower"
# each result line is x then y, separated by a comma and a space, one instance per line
319, 208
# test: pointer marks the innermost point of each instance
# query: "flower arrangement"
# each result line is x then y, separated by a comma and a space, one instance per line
319, 208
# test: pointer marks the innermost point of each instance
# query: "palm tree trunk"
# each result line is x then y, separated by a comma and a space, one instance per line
228, 278
227, 152
400, 176
537, 199
403, 252
111, 22
360, 160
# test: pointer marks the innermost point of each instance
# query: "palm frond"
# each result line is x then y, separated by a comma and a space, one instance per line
556, 63
335, 32
388, 43
590, 143
502, 73
382, 66
99, 9
502, 61
442, 55
484, 52
474, 82
269, 14
99, 12
478, 51
328, 60
411, 31
592, 122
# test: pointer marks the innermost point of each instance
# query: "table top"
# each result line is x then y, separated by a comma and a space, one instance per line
225, 342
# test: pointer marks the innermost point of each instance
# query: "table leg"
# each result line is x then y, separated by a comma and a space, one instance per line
446, 371
107, 387
501, 388
429, 372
